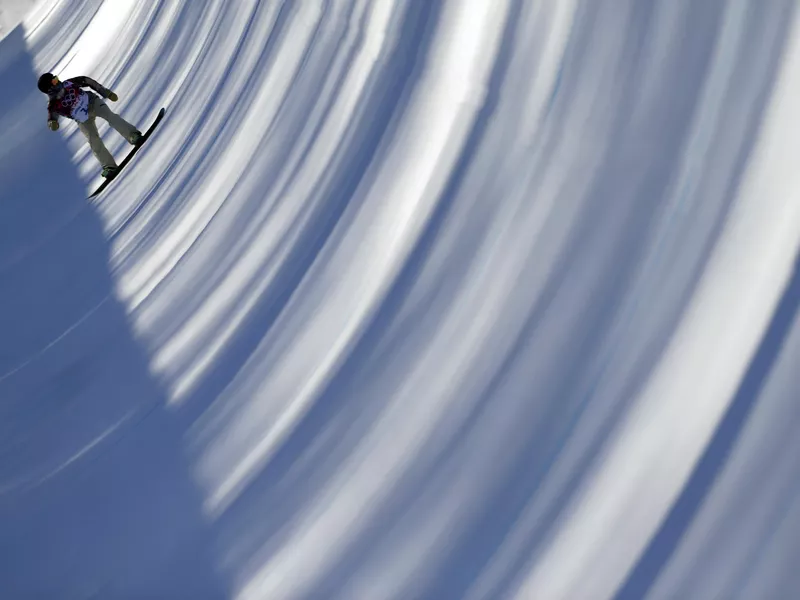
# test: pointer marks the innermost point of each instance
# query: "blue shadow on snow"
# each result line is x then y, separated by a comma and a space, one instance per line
96, 499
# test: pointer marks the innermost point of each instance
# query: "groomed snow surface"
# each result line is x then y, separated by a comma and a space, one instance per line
404, 299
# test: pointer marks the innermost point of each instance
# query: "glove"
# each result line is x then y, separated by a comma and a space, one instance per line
52, 124
112, 96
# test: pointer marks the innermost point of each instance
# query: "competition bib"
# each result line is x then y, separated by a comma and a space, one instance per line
80, 108
77, 101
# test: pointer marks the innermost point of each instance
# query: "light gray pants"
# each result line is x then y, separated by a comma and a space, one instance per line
98, 108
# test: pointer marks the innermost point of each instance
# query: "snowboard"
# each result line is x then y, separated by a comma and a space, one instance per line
127, 159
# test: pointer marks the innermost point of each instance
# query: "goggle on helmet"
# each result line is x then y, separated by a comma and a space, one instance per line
48, 83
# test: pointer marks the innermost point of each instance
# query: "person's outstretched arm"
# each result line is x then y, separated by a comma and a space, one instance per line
84, 81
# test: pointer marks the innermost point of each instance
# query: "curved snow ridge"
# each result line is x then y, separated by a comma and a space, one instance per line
466, 299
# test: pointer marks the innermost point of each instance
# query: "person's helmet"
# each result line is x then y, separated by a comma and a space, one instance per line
47, 82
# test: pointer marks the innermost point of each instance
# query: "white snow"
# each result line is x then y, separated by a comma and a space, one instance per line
403, 300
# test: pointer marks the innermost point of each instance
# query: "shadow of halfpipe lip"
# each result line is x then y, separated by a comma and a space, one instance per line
96, 496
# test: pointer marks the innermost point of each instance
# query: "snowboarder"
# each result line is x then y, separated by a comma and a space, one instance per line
68, 99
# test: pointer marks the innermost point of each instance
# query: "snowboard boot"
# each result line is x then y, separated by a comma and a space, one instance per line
109, 171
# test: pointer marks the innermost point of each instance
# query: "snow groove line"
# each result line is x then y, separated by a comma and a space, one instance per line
64, 334
29, 484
